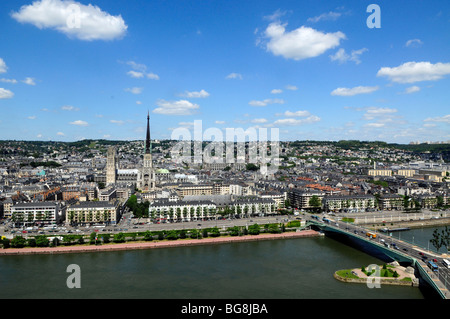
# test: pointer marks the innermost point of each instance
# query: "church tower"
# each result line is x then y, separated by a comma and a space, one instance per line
146, 174
111, 166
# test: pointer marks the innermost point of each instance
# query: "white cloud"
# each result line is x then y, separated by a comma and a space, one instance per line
412, 89
76, 20
411, 72
275, 16
5, 94
291, 87
414, 43
79, 123
118, 122
201, 94
354, 91
134, 90
383, 113
139, 71
259, 120
29, 81
341, 56
234, 76
292, 122
32, 117
376, 125
60, 134
301, 43
276, 91
135, 74
137, 66
219, 122
69, 108
325, 16
443, 119
152, 76
181, 107
296, 114
12, 81
266, 102
3, 67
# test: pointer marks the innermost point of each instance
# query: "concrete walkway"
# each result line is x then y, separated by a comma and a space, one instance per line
154, 244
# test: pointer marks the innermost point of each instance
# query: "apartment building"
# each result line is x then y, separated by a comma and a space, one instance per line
103, 212
42, 213
356, 203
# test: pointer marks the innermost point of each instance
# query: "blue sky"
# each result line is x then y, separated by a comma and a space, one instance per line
313, 69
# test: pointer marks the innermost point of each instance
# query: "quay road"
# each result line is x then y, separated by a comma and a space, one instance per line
394, 216
128, 224
441, 277
134, 224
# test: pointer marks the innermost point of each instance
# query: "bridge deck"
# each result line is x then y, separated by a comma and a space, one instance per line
404, 252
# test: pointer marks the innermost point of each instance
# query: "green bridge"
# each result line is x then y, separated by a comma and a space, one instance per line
390, 248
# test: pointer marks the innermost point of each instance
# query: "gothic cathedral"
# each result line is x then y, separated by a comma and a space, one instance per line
146, 175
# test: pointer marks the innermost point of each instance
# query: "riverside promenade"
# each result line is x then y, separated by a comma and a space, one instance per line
154, 244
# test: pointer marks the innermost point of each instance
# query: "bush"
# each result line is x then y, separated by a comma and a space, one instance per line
106, 238
254, 229
31, 242
18, 242
172, 235
119, 238
6, 243
234, 231
148, 236
42, 241
55, 242
214, 232
274, 229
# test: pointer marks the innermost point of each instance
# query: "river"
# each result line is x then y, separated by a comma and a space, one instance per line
276, 269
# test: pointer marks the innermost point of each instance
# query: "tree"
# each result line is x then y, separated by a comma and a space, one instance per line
254, 229
251, 167
315, 202
148, 236
18, 242
31, 242
106, 238
214, 232
6, 243
42, 241
234, 231
172, 235
274, 229
119, 238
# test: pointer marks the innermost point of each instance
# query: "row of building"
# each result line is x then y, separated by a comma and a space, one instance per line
301, 199
58, 212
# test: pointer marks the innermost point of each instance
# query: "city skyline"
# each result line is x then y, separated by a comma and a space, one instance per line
72, 70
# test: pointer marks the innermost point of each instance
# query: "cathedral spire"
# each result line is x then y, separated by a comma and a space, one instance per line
147, 140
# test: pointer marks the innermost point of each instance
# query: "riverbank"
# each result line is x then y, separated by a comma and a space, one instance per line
155, 244
405, 277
